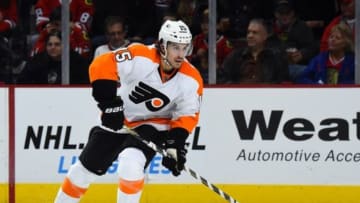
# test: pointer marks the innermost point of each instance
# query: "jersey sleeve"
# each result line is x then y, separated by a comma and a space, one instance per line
82, 13
80, 41
42, 13
103, 68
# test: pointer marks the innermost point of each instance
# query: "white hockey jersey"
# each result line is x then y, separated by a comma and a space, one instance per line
147, 99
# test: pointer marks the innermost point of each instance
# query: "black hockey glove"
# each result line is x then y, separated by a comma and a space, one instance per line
112, 113
175, 147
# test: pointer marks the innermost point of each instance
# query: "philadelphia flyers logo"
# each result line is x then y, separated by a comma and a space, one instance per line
154, 100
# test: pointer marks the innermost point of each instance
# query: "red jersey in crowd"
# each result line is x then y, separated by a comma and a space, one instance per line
8, 17
81, 12
223, 46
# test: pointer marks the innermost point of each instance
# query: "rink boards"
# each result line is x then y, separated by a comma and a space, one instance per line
257, 144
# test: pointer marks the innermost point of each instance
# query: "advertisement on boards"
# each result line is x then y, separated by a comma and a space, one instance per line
282, 136
267, 136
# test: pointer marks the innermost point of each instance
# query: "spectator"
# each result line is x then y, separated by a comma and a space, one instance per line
27, 21
9, 59
296, 37
347, 9
116, 33
200, 48
139, 15
186, 10
168, 15
81, 13
262, 61
45, 67
79, 40
317, 14
8, 17
164, 9
239, 13
337, 64
10, 62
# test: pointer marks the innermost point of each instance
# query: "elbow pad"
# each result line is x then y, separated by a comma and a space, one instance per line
104, 90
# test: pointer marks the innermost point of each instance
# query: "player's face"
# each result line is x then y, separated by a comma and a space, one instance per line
176, 53
53, 47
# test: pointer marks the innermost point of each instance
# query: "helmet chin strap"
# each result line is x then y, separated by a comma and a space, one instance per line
166, 66
167, 63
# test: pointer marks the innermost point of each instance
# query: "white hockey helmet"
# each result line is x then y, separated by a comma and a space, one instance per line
174, 31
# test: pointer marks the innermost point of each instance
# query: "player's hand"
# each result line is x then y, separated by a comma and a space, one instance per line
112, 114
176, 150
175, 161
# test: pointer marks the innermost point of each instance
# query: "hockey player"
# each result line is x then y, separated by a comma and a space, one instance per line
159, 98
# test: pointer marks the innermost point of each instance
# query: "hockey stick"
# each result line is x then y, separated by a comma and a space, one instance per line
194, 174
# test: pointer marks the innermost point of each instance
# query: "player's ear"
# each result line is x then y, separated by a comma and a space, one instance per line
161, 47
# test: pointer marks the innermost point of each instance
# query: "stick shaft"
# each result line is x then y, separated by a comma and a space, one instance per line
193, 173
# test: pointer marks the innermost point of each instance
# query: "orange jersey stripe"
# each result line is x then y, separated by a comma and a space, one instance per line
134, 124
193, 72
144, 52
186, 122
72, 190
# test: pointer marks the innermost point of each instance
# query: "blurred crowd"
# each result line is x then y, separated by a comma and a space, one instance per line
258, 42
